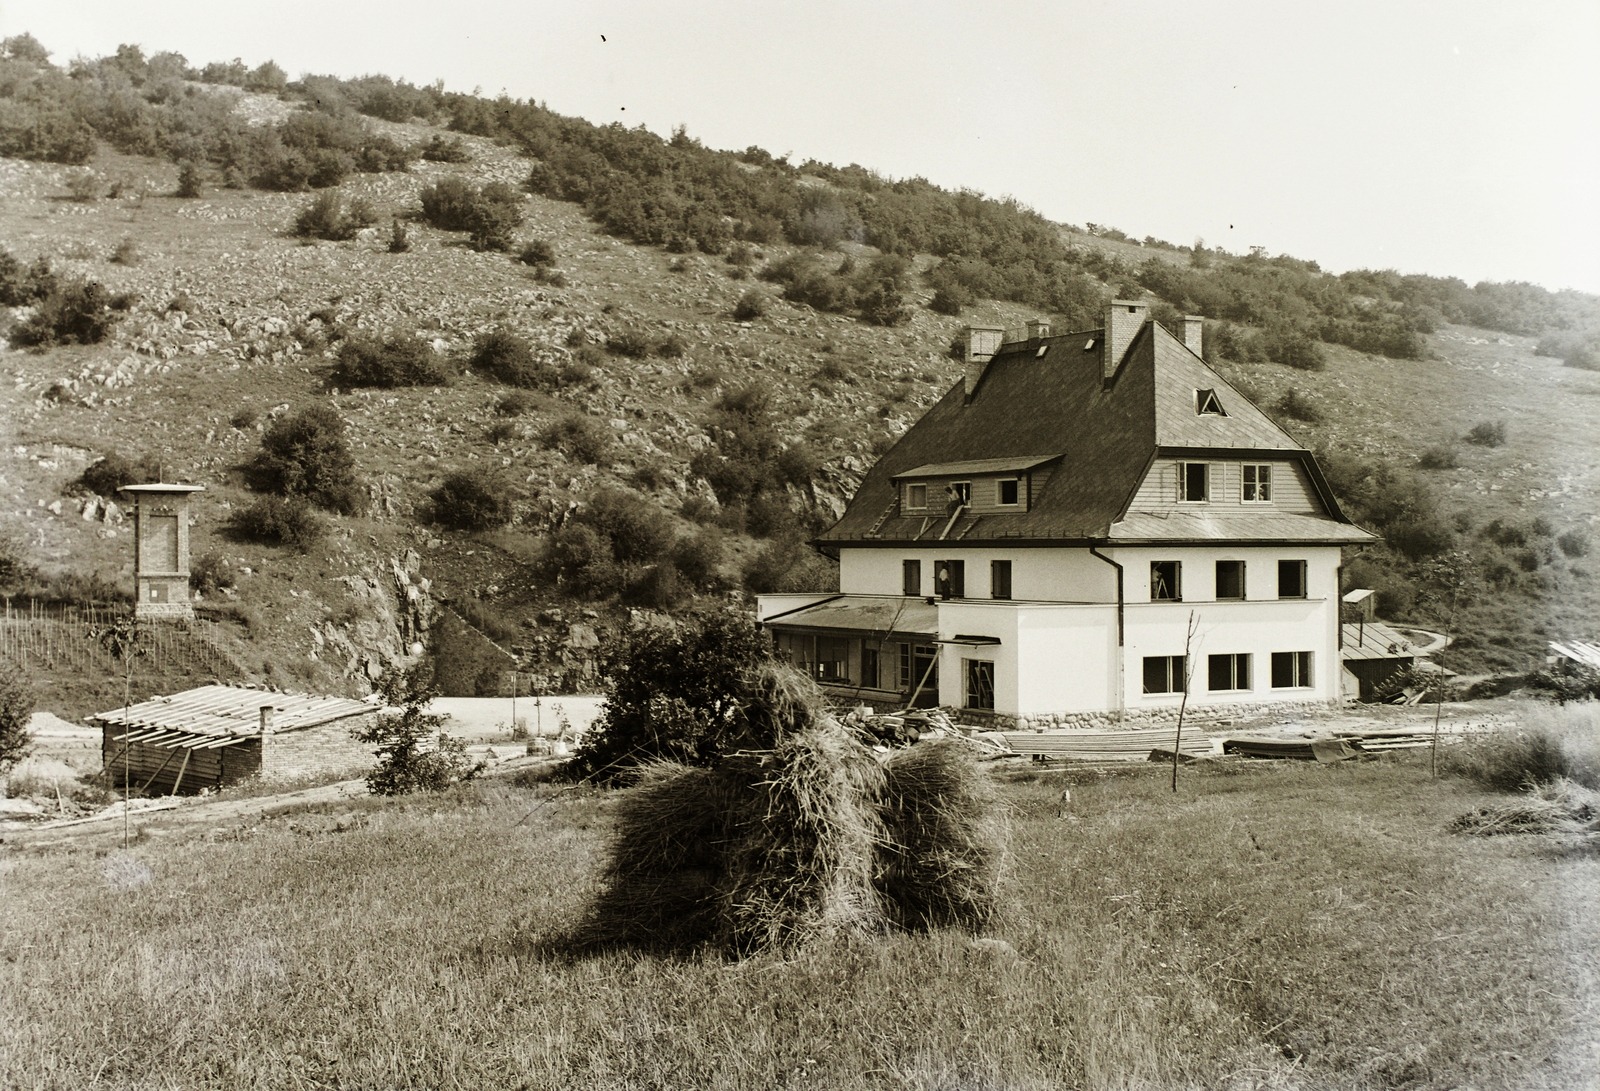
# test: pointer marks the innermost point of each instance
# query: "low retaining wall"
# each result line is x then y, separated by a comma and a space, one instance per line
1199, 716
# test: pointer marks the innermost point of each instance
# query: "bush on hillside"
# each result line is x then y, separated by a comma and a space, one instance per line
19, 286
190, 179
635, 344
578, 436
470, 500
510, 359
306, 455
1574, 543
490, 215
1296, 406
393, 362
210, 573
1441, 457
112, 471
414, 752
274, 520
538, 252
329, 216
76, 313
752, 305
1487, 434
441, 150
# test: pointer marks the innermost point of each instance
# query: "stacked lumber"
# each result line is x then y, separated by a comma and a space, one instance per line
1133, 744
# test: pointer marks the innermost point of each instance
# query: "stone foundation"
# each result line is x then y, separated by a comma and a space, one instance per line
325, 751
1199, 716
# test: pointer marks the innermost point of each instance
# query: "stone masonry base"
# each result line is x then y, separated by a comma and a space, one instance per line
1199, 715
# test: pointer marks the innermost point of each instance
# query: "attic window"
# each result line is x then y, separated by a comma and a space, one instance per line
1042, 350
1206, 403
1089, 344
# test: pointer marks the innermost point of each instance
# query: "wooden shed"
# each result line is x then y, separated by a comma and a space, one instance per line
218, 735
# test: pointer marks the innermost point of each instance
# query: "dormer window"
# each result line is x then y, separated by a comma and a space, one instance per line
1257, 484
1207, 405
1006, 492
916, 496
1194, 482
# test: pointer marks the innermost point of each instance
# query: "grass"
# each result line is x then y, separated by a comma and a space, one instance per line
1302, 926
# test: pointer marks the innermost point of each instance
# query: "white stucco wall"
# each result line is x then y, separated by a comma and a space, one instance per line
1042, 574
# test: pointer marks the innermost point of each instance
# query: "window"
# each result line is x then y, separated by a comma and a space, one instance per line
980, 683
1206, 404
1228, 671
833, 659
1257, 488
1164, 585
869, 667
962, 491
1291, 579
911, 577
919, 666
916, 496
1006, 492
1163, 674
1291, 670
1000, 579
1230, 579
950, 579
1193, 481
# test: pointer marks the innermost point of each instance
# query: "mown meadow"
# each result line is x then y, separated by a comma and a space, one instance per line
1267, 926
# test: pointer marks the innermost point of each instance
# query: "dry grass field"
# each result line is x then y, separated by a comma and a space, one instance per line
1268, 926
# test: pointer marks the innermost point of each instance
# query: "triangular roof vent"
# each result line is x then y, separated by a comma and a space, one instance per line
1206, 404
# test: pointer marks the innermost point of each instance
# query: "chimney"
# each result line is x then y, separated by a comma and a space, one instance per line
982, 343
1038, 330
1193, 324
266, 730
1123, 322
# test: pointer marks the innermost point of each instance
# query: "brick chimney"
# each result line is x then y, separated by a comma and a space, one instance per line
1193, 324
982, 343
266, 733
1038, 330
1124, 319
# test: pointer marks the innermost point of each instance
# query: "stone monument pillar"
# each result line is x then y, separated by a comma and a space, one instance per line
161, 550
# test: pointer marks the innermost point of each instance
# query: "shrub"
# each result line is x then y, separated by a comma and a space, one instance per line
510, 359
1574, 543
189, 179
111, 472
538, 252
399, 240
125, 253
470, 500
76, 313
697, 557
440, 150
681, 692
327, 216
83, 185
404, 764
16, 710
1442, 457
245, 418
950, 299
673, 347
1488, 434
635, 344
1293, 348
1296, 407
396, 361
306, 456
751, 305
210, 573
515, 404
579, 436
20, 287
490, 214
273, 520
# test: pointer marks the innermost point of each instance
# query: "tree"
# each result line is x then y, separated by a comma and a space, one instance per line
305, 455
471, 500
684, 692
403, 765
16, 709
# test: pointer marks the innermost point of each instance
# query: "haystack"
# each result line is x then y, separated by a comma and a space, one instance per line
947, 834
764, 850
1561, 807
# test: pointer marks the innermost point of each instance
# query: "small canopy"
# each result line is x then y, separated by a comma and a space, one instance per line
864, 613
1375, 640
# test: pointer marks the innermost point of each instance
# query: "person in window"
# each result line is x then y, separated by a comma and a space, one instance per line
952, 500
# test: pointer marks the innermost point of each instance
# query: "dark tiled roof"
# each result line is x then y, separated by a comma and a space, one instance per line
1031, 407
977, 466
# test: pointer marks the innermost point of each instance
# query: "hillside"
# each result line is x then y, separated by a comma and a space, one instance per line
237, 322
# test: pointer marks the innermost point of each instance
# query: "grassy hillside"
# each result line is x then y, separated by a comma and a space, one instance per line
777, 340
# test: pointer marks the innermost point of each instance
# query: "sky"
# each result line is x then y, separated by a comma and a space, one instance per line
1458, 138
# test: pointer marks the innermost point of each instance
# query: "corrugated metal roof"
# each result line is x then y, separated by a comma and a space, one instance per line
1375, 640
865, 613
216, 712
978, 466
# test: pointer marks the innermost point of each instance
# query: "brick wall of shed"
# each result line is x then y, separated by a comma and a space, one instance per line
327, 750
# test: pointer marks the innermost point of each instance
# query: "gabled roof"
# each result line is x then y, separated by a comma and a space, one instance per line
1027, 409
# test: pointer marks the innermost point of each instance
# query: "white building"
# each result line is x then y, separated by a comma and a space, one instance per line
1039, 546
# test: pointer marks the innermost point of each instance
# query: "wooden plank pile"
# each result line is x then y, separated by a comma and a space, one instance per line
1133, 744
